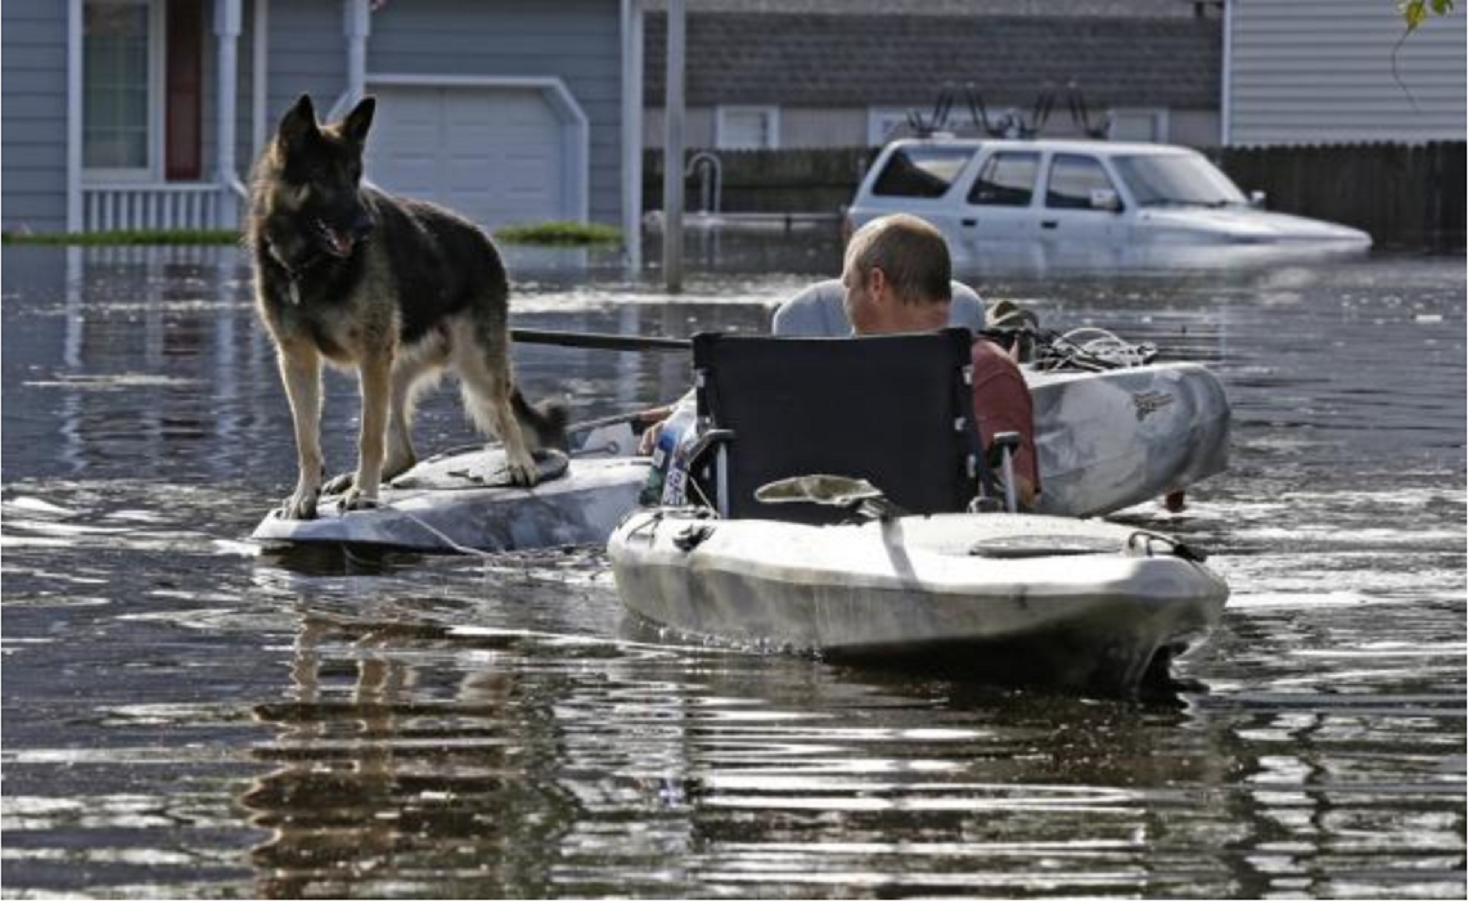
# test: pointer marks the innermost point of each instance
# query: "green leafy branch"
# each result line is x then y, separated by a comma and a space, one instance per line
1415, 12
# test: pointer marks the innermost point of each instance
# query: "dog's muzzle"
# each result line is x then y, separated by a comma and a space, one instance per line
341, 242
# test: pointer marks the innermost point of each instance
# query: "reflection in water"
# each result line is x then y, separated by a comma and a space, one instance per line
509, 760
387, 779
185, 716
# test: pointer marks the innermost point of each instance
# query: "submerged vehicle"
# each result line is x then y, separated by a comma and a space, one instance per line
1004, 202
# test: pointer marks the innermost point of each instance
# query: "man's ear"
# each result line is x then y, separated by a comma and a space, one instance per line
298, 123
355, 126
876, 281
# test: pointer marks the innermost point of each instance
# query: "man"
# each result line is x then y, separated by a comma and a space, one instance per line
897, 278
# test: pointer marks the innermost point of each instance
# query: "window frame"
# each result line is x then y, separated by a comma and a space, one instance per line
1100, 163
958, 181
157, 73
1157, 119
772, 126
992, 159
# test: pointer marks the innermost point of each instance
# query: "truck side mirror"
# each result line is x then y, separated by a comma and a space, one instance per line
1257, 199
1105, 199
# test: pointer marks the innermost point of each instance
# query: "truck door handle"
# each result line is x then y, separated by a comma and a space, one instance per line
1049, 223
970, 223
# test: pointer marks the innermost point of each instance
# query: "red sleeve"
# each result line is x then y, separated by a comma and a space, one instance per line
1002, 403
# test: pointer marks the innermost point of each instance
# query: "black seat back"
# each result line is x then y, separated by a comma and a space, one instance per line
896, 410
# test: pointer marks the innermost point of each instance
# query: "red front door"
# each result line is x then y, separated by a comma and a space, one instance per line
184, 91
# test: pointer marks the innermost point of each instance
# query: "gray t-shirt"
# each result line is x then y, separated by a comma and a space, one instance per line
817, 312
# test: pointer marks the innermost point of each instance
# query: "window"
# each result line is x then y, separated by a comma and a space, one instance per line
919, 171
1007, 179
1176, 179
1138, 125
747, 127
121, 53
1072, 179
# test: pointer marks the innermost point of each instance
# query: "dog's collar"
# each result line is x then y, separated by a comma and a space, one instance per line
293, 274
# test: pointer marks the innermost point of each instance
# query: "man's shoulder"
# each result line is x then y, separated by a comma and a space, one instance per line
816, 311
816, 292
990, 359
986, 349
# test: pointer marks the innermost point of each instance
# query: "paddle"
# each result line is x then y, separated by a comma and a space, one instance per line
597, 340
601, 341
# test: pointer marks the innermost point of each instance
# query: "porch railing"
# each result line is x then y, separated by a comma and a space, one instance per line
172, 205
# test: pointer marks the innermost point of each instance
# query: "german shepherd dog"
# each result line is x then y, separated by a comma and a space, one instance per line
397, 288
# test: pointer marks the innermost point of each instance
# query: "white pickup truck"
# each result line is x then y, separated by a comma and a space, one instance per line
1057, 201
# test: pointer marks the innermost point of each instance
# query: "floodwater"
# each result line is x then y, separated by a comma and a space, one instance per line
184, 716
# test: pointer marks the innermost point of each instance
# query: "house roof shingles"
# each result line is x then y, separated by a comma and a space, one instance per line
874, 60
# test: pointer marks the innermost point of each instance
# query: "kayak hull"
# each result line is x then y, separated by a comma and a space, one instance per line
444, 512
1109, 440
1069, 603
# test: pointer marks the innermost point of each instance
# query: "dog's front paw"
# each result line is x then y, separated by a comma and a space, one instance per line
339, 484
355, 499
301, 505
524, 474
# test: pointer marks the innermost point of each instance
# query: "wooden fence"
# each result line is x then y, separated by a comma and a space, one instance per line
1406, 196
772, 181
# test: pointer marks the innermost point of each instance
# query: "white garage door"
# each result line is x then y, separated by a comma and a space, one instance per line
494, 154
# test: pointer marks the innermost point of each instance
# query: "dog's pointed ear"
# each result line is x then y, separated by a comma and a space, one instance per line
298, 123
355, 126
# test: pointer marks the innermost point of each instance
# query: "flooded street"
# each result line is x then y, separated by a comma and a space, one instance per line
186, 716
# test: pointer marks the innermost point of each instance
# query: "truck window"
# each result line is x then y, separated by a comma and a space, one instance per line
921, 171
1007, 179
1072, 179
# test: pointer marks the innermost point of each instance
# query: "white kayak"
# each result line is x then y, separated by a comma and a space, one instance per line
1105, 440
1010, 597
1108, 440
464, 501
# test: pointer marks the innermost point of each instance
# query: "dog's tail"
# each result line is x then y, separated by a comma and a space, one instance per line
543, 425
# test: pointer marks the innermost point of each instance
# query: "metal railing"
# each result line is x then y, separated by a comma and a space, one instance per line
168, 205
710, 172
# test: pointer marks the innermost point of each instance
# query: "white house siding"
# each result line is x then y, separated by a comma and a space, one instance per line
1320, 71
577, 41
806, 127
799, 127
33, 117
244, 87
1192, 128
698, 127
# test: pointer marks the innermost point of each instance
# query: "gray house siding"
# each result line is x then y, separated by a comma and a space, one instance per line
578, 42
33, 122
1320, 71
307, 54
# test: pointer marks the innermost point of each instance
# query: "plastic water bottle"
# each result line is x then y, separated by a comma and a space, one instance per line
667, 480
